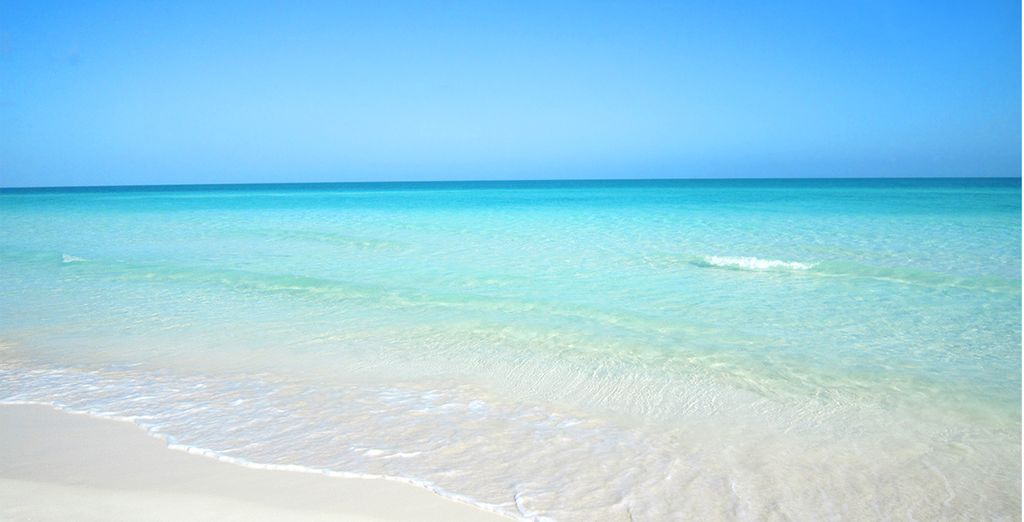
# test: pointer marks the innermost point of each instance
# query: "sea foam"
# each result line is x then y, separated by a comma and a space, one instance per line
753, 263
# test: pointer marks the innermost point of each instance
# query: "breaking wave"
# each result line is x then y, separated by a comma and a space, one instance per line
751, 263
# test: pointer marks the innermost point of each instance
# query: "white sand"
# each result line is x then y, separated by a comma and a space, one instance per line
60, 466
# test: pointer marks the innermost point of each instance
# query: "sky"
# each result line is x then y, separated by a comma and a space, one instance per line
150, 92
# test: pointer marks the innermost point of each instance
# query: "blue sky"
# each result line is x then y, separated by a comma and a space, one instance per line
179, 92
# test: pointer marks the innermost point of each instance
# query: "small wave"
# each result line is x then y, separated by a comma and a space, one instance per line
894, 274
172, 444
751, 263
65, 258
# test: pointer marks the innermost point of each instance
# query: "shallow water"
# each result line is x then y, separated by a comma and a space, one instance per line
811, 349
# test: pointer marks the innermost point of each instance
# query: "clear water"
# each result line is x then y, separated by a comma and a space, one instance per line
812, 349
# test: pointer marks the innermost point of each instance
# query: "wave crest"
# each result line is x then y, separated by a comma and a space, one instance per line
752, 263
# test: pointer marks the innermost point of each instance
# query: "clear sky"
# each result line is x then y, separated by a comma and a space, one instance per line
222, 92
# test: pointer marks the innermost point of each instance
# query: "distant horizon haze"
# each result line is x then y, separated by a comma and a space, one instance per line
513, 182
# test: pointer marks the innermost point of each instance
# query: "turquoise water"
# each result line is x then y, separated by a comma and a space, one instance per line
604, 350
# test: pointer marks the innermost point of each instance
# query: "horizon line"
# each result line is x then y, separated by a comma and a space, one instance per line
516, 180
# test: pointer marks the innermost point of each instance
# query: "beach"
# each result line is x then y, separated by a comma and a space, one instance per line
537, 261
573, 351
61, 466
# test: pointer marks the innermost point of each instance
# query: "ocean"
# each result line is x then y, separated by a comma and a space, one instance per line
566, 350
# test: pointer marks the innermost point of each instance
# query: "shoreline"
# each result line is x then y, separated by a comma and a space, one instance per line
101, 469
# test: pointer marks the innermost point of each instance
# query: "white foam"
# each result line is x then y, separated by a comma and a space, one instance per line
172, 444
512, 458
65, 258
753, 263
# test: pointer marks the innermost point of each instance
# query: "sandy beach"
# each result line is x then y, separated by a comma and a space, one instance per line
62, 466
